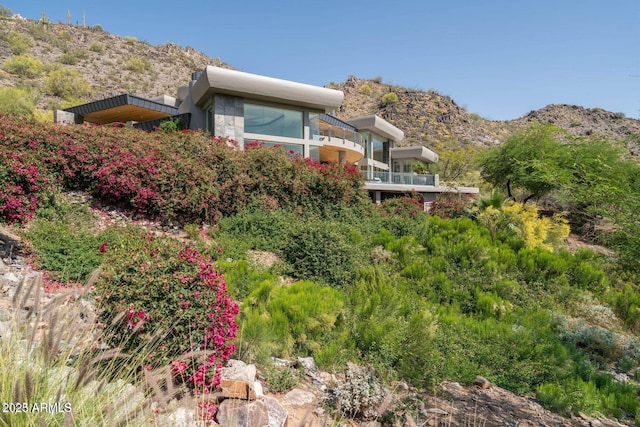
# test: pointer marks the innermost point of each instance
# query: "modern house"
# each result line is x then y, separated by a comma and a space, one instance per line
298, 117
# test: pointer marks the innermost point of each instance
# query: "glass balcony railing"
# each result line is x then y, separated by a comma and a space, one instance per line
399, 178
332, 130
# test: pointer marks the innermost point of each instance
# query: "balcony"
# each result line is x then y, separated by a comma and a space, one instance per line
400, 178
336, 135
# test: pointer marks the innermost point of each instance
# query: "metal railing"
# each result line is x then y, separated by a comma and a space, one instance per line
330, 132
399, 178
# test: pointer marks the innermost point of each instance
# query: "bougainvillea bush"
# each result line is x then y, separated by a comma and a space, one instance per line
160, 285
186, 176
22, 186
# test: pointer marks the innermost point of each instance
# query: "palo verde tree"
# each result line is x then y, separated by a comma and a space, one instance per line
528, 165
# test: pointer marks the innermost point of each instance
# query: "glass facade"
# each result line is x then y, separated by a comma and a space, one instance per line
292, 149
314, 153
267, 120
380, 149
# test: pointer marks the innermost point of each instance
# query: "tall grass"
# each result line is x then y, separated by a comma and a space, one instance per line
54, 370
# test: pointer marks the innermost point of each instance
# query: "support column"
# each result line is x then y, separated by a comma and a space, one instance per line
342, 157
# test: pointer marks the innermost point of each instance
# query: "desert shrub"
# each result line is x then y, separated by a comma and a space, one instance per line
365, 89
261, 229
130, 39
66, 83
298, 319
392, 327
24, 66
19, 43
361, 394
69, 252
323, 252
73, 57
17, 102
464, 347
138, 65
162, 284
97, 47
600, 344
389, 98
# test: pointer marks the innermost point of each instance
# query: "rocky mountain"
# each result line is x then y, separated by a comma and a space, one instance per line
428, 117
111, 65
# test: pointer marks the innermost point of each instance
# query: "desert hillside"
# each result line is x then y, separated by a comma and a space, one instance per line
107, 64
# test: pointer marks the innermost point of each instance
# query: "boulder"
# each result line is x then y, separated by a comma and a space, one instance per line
238, 370
236, 389
238, 413
277, 414
482, 382
299, 397
307, 363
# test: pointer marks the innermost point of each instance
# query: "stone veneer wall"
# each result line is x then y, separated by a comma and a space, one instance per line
229, 117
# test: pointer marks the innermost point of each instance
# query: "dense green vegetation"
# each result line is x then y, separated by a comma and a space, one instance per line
489, 290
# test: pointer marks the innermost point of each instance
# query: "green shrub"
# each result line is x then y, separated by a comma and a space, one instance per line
138, 65
298, 319
172, 125
73, 57
66, 83
321, 251
365, 89
97, 47
260, 229
72, 254
389, 98
16, 102
19, 43
392, 328
24, 66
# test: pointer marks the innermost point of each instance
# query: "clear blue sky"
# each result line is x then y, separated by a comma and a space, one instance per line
498, 58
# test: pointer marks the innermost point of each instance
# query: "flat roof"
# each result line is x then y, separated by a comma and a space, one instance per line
377, 125
417, 152
237, 83
123, 108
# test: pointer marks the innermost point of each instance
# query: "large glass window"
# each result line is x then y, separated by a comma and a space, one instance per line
291, 149
380, 150
314, 126
265, 120
314, 153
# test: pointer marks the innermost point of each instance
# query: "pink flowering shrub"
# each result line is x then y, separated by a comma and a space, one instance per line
20, 186
161, 284
451, 205
188, 176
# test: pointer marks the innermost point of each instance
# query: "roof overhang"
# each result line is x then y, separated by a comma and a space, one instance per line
402, 188
123, 108
417, 152
237, 83
379, 126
